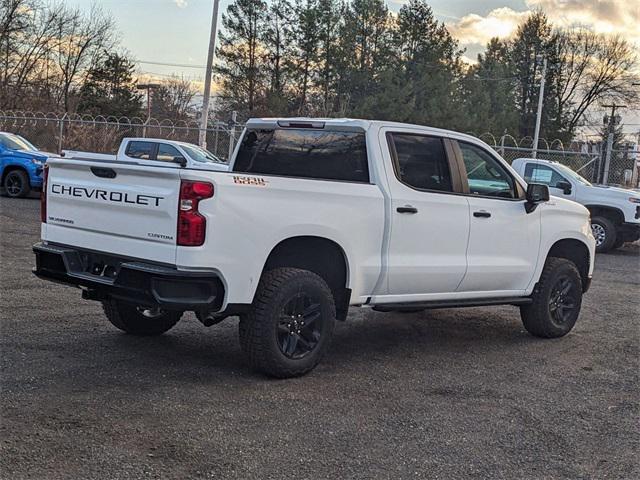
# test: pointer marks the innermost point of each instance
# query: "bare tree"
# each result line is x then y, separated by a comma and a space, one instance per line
81, 39
591, 68
27, 39
173, 99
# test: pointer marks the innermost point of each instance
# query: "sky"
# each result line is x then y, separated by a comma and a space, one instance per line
177, 31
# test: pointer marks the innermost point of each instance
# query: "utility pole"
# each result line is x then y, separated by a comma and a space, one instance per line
536, 135
204, 120
148, 87
611, 128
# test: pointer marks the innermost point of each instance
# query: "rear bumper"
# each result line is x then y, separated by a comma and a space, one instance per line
106, 276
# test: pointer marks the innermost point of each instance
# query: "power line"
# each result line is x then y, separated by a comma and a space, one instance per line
168, 75
166, 64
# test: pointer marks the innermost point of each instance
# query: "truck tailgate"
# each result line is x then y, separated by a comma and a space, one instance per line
125, 209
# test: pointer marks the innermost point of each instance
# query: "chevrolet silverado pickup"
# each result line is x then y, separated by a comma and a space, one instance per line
314, 216
615, 212
157, 149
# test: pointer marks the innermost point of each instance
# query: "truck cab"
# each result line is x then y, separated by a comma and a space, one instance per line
615, 212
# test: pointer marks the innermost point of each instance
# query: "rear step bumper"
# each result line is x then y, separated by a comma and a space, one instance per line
106, 276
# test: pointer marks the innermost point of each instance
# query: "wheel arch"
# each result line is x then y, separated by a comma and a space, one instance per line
612, 213
319, 255
575, 251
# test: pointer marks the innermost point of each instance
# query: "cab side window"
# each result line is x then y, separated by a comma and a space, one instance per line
141, 150
485, 175
537, 173
421, 161
167, 153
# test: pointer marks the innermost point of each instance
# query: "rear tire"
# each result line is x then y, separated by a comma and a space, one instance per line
16, 184
130, 319
289, 327
557, 299
604, 231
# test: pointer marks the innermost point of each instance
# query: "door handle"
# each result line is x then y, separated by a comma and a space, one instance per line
482, 214
103, 172
407, 209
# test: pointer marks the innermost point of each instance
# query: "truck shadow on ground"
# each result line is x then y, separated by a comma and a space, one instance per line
104, 358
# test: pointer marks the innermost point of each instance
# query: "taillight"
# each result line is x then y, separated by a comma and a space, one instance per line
192, 226
43, 195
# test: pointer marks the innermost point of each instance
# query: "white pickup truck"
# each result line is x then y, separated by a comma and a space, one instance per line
313, 217
155, 150
615, 212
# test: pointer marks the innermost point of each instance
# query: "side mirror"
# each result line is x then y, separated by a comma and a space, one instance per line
180, 161
564, 186
536, 193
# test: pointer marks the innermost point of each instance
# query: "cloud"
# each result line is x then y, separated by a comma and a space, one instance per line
181, 3
602, 16
476, 29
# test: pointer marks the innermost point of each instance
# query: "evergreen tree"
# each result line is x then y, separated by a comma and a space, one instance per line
242, 67
429, 60
276, 39
364, 51
534, 40
490, 91
328, 14
110, 88
305, 34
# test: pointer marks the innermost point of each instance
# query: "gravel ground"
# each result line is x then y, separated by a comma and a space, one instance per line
442, 394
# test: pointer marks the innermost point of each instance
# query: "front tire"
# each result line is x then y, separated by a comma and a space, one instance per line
16, 184
604, 231
289, 327
619, 242
137, 320
557, 299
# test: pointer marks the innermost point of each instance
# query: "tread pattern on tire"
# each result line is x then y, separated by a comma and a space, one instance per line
535, 316
133, 323
254, 328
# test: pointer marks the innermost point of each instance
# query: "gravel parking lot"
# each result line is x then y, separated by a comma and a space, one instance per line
441, 394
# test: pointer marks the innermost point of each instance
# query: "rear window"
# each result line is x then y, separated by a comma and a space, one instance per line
321, 154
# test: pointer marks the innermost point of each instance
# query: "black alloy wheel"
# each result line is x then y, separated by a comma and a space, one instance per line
300, 326
16, 184
563, 300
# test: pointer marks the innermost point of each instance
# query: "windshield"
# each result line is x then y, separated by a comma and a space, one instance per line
200, 154
571, 174
15, 142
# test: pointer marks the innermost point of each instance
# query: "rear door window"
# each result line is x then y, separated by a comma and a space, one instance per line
141, 150
305, 153
421, 162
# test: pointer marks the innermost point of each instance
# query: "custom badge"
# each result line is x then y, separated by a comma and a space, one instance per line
255, 181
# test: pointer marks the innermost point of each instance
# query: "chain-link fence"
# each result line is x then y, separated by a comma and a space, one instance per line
54, 133
590, 161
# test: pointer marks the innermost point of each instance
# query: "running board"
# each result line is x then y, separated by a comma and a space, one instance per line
474, 302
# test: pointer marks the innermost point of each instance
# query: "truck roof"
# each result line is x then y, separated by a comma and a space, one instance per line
537, 160
347, 124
